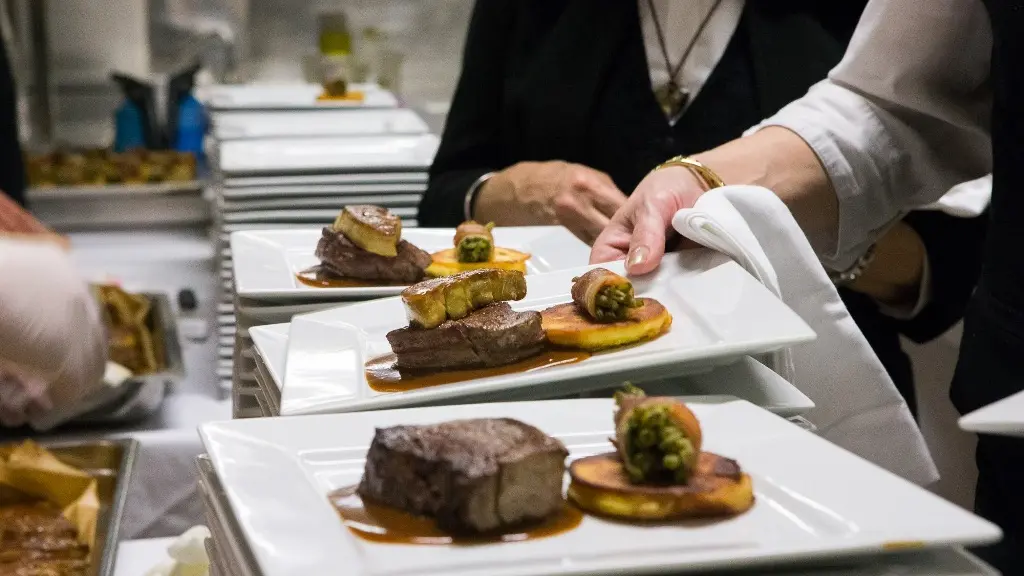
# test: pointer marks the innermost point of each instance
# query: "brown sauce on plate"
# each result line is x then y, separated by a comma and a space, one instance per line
319, 277
385, 524
383, 376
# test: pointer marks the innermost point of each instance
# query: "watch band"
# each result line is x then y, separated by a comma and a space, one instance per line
470, 200
705, 174
851, 274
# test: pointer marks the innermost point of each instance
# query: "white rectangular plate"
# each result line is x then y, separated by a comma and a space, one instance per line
328, 155
323, 192
321, 216
254, 182
230, 125
746, 378
291, 96
1005, 418
265, 262
306, 202
720, 314
814, 500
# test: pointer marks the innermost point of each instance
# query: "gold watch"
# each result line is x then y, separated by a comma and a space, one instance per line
703, 173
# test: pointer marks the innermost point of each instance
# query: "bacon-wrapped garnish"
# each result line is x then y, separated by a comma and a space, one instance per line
371, 228
658, 438
604, 295
428, 304
474, 242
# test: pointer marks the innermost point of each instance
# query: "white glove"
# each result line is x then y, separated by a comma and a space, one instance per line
53, 344
21, 400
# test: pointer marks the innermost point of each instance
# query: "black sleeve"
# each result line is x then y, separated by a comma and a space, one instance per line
470, 145
12, 166
954, 248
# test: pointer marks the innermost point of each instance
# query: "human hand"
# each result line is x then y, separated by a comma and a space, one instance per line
535, 193
639, 230
21, 399
51, 333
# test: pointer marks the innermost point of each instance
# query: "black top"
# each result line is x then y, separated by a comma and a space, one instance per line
569, 80
12, 167
991, 363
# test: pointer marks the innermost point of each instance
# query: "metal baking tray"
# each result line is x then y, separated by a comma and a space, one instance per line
162, 323
111, 463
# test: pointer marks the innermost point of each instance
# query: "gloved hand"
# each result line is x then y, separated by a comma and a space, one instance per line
52, 342
21, 400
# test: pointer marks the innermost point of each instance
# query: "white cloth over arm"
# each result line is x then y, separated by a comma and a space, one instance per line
857, 405
903, 118
50, 329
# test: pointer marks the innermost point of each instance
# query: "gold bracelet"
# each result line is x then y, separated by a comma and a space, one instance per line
705, 174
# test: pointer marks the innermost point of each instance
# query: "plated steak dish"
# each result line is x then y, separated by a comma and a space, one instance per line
365, 243
471, 476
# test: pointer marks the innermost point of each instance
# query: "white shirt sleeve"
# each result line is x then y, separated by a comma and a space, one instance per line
902, 119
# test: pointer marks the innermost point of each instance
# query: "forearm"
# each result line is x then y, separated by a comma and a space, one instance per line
781, 161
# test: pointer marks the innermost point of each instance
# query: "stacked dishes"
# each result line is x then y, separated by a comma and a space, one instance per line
282, 161
281, 499
498, 335
266, 270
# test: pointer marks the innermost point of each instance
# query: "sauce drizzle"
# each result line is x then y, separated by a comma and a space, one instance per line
320, 277
383, 376
384, 524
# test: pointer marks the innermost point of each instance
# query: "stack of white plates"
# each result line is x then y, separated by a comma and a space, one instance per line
818, 510
315, 363
281, 160
264, 264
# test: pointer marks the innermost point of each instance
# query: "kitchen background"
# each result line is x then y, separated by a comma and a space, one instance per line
252, 40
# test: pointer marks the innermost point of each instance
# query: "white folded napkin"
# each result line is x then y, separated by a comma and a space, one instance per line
187, 555
857, 405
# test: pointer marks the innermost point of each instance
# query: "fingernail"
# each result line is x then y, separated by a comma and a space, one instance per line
637, 256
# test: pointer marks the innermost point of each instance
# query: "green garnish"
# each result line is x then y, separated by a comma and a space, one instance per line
474, 249
614, 302
658, 450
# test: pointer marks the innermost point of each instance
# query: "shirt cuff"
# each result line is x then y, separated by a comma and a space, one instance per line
912, 309
839, 126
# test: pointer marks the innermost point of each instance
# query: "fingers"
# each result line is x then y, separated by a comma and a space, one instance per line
587, 203
580, 217
612, 244
601, 192
647, 244
13, 403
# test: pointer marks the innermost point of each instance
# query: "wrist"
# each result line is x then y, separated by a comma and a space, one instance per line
490, 197
705, 176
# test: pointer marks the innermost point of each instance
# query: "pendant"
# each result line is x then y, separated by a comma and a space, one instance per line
672, 100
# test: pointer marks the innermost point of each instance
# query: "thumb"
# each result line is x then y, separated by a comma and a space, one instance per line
647, 246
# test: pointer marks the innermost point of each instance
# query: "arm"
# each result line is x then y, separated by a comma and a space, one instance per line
471, 143
900, 120
953, 248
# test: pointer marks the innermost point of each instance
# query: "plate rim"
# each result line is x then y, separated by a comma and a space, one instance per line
985, 531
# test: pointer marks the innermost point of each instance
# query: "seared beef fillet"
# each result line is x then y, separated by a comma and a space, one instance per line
495, 335
470, 475
341, 256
